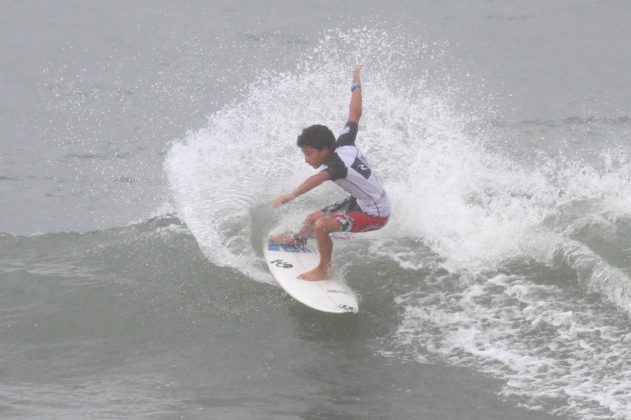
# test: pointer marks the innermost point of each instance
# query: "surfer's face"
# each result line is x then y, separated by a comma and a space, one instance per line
315, 157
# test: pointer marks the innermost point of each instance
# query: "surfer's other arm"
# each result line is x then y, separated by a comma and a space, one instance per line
355, 107
308, 184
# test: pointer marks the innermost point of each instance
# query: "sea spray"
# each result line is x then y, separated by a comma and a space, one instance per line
505, 283
221, 174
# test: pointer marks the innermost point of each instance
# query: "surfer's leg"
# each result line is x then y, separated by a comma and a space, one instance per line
306, 231
308, 227
323, 227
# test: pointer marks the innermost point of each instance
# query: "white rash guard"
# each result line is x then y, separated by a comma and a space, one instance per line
349, 169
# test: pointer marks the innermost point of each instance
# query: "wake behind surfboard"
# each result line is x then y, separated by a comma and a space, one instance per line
286, 263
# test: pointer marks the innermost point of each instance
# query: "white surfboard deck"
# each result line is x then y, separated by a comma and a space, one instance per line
286, 263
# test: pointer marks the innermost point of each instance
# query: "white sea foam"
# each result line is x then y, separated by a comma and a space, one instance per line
221, 174
556, 353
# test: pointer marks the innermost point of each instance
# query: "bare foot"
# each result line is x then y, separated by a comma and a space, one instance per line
315, 274
284, 239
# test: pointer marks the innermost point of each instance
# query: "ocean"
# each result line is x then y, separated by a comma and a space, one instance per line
143, 143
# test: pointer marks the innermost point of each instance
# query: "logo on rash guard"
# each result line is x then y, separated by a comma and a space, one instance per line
361, 167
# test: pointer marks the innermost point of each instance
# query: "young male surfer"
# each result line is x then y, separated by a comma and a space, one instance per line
367, 208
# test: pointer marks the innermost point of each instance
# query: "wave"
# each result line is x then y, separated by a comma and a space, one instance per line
508, 238
77, 254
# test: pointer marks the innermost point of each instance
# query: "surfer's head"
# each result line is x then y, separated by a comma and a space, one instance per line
316, 142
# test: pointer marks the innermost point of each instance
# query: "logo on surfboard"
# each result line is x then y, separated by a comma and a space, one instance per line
281, 264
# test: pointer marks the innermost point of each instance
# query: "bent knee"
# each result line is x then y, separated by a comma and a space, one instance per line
313, 217
327, 224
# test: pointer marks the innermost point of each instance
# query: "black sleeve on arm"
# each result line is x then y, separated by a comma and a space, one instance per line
347, 138
335, 167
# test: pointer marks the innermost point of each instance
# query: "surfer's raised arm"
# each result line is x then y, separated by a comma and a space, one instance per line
355, 108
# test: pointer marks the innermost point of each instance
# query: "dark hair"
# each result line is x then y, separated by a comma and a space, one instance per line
317, 136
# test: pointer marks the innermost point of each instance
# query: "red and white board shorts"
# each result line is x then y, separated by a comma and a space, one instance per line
352, 219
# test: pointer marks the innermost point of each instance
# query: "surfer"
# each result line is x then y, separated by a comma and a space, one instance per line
367, 208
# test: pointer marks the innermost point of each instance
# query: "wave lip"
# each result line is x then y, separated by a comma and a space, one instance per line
596, 275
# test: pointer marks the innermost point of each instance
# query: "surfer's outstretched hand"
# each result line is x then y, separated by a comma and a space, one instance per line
282, 199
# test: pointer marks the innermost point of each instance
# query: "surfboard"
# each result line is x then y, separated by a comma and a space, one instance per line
286, 263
